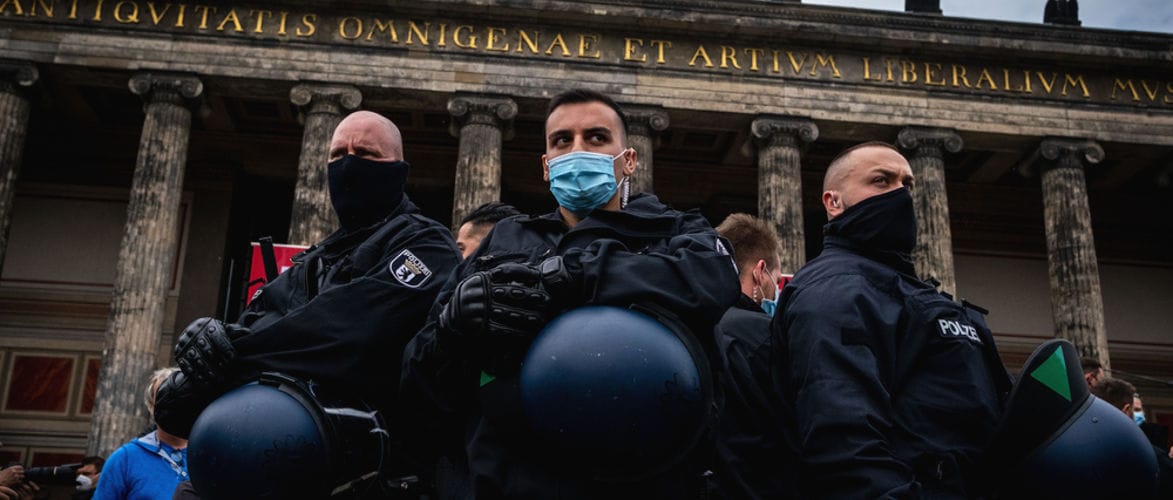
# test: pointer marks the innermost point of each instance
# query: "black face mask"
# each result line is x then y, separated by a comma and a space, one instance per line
363, 191
882, 223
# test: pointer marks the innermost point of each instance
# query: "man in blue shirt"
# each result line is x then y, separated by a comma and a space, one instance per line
148, 467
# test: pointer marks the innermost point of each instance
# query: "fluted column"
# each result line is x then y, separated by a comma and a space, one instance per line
14, 119
779, 141
143, 273
322, 107
481, 122
933, 255
1077, 305
644, 124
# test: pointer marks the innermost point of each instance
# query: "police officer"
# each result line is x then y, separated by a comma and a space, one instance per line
750, 449
601, 246
342, 314
891, 389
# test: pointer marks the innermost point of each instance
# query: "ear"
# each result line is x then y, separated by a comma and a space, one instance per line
629, 162
545, 169
759, 269
1127, 409
832, 204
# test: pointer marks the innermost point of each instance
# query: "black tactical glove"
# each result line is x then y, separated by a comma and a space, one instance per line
564, 288
178, 402
204, 351
504, 302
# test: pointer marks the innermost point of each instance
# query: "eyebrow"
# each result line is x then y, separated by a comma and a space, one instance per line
592, 130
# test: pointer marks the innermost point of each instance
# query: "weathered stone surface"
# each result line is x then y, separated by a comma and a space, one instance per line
14, 117
1077, 305
933, 254
145, 259
644, 123
322, 107
480, 121
779, 141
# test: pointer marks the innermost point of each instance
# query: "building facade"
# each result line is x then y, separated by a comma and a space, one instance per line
143, 145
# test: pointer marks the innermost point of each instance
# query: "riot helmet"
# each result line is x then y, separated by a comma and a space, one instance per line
616, 393
280, 437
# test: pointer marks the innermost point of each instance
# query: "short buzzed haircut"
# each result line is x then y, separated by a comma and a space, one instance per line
835, 170
1090, 364
753, 239
95, 461
488, 214
577, 96
1115, 391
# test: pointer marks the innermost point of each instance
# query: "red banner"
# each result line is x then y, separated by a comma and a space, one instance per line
256, 270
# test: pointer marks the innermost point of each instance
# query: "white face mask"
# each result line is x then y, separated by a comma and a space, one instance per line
84, 483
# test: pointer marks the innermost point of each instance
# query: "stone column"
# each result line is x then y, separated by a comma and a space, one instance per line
779, 141
644, 124
1077, 305
933, 254
14, 119
481, 122
143, 274
322, 107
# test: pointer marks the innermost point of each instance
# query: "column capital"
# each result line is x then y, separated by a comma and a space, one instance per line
482, 109
1066, 152
928, 141
325, 97
15, 74
166, 87
645, 120
777, 130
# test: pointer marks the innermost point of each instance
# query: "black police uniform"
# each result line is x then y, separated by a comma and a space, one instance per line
890, 389
753, 460
342, 314
643, 253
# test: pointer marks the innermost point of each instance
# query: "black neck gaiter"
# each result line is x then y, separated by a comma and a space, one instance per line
884, 224
363, 191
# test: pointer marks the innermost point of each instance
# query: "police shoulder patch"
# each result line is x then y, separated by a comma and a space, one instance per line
409, 269
950, 328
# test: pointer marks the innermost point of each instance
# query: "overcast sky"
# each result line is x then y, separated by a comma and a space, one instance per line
1134, 15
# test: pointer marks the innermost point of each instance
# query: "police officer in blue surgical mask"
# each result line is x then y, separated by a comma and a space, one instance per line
602, 245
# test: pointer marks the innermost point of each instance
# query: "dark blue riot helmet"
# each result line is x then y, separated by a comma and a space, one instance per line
281, 438
616, 393
1058, 441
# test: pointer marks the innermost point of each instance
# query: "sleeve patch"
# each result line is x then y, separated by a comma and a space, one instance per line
409, 269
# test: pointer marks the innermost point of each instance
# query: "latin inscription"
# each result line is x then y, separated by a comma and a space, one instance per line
375, 30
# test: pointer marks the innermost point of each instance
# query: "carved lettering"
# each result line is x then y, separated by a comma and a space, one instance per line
98, 11
959, 76
729, 55
629, 48
46, 8
378, 26
72, 10
16, 8
931, 77
443, 38
352, 34
701, 52
157, 15
1047, 84
558, 42
660, 46
260, 15
986, 77
525, 42
1152, 93
796, 65
1073, 81
753, 57
236, 27
308, 21
204, 16
126, 17
587, 46
908, 72
464, 43
867, 69
823, 61
494, 36
414, 31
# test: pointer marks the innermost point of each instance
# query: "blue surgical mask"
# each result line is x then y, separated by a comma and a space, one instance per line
583, 181
771, 305
1138, 417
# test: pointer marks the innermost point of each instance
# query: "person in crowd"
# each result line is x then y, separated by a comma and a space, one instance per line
149, 466
474, 226
1122, 394
890, 389
599, 247
1093, 371
750, 449
88, 473
342, 314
